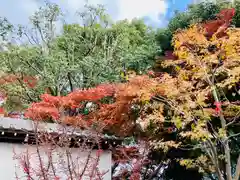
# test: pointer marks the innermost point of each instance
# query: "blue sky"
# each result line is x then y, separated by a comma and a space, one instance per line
155, 12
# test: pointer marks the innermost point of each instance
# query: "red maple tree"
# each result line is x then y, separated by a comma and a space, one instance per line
219, 26
109, 116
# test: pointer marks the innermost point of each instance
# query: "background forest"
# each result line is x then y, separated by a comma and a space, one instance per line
174, 89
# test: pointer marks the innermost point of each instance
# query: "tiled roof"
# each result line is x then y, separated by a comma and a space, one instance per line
19, 129
28, 125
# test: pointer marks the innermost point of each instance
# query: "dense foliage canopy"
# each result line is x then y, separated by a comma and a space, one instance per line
81, 56
186, 113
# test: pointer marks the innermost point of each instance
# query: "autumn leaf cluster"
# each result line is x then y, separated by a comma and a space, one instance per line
201, 90
115, 115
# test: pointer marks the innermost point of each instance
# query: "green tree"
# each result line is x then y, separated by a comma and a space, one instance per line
80, 57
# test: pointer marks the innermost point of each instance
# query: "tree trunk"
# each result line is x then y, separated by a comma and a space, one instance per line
237, 172
224, 139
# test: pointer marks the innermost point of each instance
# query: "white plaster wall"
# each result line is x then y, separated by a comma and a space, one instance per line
10, 166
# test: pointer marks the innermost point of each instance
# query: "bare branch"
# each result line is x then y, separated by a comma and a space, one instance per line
234, 135
214, 157
70, 81
234, 119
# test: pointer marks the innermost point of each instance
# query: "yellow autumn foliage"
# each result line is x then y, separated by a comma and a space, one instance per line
203, 63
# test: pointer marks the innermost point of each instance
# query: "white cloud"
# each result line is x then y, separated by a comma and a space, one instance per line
129, 9
19, 11
154, 10
29, 6
74, 5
